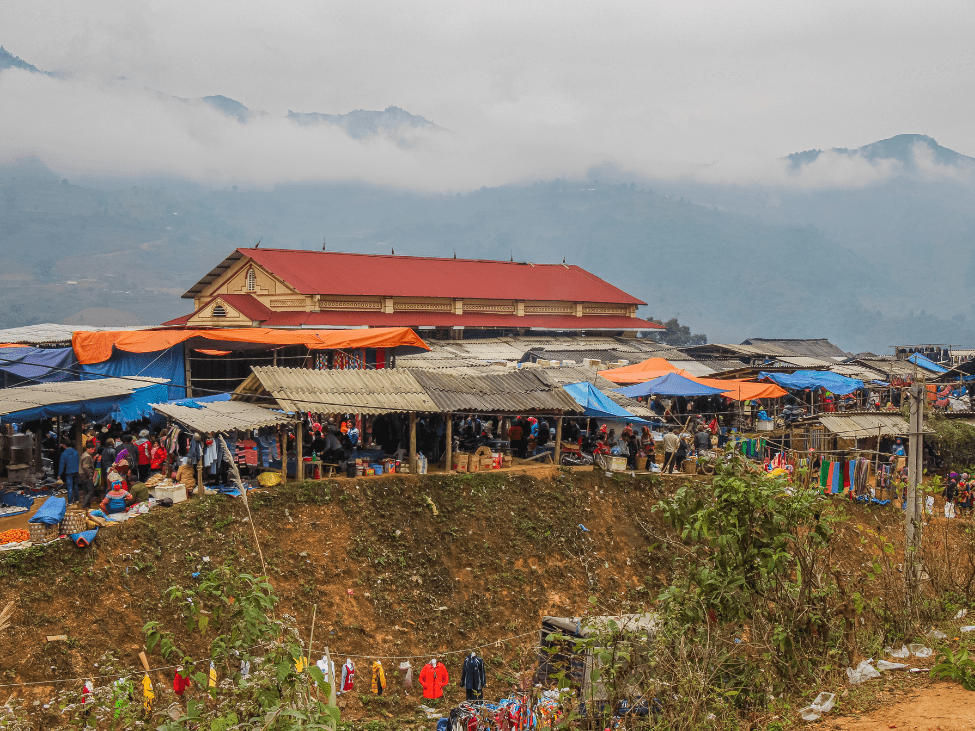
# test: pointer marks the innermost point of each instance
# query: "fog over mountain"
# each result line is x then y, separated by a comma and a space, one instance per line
867, 245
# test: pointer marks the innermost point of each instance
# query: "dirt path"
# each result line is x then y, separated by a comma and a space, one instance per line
939, 706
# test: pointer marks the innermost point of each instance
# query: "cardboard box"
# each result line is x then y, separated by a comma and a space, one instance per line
616, 464
473, 463
176, 493
458, 461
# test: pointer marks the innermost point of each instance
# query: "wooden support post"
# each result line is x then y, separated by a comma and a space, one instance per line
558, 438
199, 466
38, 455
412, 443
79, 431
283, 446
187, 371
300, 449
450, 439
915, 506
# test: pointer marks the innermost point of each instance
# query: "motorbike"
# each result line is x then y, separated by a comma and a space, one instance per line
789, 415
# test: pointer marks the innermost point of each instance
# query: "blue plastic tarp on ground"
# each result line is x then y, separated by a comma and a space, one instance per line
926, 363
597, 404
39, 365
51, 512
673, 384
122, 409
166, 364
801, 380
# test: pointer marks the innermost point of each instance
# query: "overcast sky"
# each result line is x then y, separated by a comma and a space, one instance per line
527, 89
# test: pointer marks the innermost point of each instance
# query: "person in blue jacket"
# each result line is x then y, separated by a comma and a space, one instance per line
68, 470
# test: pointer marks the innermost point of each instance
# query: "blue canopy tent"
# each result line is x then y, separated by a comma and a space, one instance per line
929, 365
597, 404
673, 384
801, 380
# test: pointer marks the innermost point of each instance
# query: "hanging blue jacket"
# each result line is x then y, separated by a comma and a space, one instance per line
69, 462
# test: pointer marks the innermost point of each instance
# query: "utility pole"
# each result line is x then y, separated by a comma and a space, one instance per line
915, 507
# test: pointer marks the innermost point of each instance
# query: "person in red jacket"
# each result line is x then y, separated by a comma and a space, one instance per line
157, 456
433, 678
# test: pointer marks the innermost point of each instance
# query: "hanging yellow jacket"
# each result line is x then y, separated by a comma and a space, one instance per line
378, 678
147, 695
212, 681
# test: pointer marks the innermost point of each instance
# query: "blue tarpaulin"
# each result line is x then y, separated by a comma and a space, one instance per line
122, 409
926, 363
51, 512
673, 384
168, 364
596, 403
38, 365
801, 380
197, 403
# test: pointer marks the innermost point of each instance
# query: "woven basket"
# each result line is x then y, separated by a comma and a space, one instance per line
74, 521
43, 533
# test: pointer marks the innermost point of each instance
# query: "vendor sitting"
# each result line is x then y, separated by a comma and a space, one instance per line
186, 476
117, 499
333, 451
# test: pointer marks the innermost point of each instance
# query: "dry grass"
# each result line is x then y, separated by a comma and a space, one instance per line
5, 616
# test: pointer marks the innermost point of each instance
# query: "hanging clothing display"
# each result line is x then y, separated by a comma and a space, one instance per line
472, 677
378, 678
348, 676
407, 670
433, 678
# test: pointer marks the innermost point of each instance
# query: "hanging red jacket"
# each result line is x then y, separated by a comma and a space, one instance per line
180, 684
433, 680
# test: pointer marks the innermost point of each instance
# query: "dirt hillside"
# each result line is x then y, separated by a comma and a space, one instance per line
397, 566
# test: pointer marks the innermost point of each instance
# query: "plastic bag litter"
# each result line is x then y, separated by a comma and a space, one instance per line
884, 665
969, 628
935, 635
903, 652
865, 671
961, 613
823, 704
920, 650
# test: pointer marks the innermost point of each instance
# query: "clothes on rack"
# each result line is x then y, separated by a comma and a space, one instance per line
407, 670
348, 676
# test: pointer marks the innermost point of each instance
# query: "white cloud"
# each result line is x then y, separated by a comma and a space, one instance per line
708, 90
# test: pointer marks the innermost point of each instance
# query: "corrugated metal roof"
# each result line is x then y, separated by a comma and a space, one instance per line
50, 333
861, 425
694, 367
852, 370
366, 392
65, 392
804, 361
519, 391
890, 367
813, 347
388, 391
222, 416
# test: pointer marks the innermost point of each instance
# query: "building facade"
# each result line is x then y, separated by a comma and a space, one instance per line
454, 298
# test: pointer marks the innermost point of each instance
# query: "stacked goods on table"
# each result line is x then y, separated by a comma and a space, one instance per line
163, 487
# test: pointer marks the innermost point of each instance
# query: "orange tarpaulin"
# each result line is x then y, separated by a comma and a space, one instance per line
96, 347
643, 372
744, 390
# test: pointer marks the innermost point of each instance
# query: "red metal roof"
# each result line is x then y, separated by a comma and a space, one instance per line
246, 305
438, 319
250, 307
325, 272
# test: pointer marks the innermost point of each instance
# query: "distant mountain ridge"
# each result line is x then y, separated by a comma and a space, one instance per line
901, 148
8, 60
358, 124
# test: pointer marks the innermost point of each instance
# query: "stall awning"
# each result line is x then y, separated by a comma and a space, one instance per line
123, 399
596, 404
673, 384
860, 426
391, 391
744, 390
641, 372
801, 380
96, 347
222, 416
